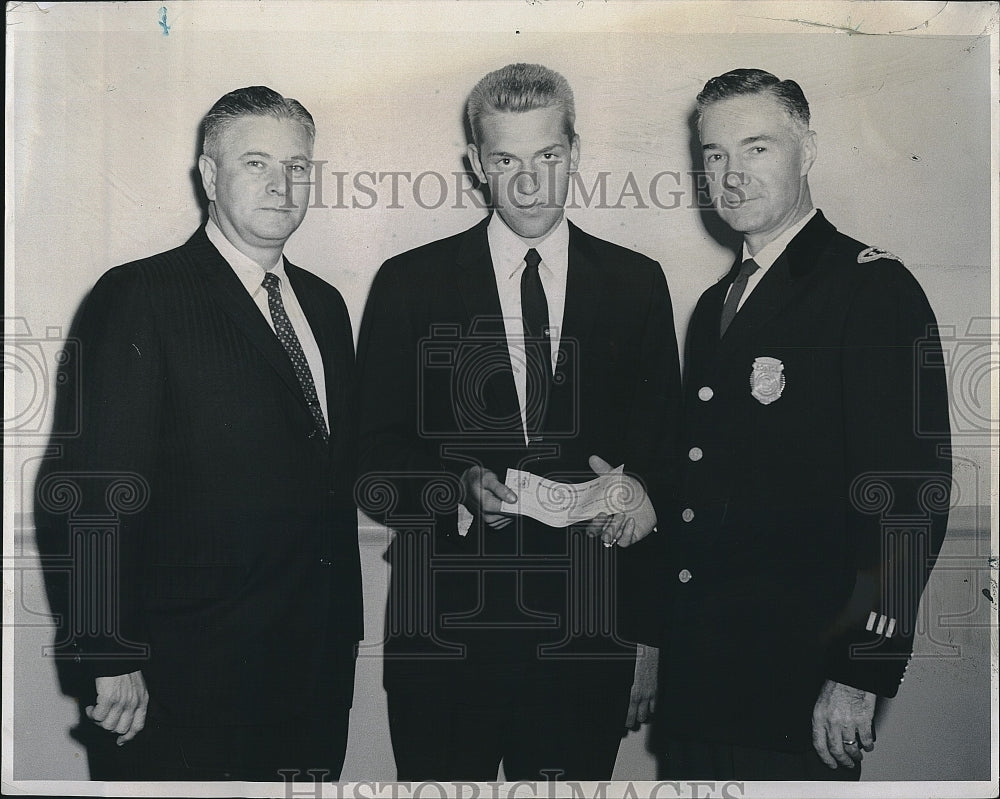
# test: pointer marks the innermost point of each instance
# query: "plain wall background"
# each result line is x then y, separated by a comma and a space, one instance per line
102, 112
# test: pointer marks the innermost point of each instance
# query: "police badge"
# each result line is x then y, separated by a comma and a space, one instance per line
767, 381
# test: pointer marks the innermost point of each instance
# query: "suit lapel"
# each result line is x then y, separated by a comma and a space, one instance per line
233, 299
775, 290
477, 285
586, 284
781, 283
703, 336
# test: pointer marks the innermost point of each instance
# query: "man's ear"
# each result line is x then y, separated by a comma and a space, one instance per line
207, 168
574, 153
808, 152
473, 152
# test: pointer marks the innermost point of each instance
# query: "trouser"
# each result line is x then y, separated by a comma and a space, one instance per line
541, 729
253, 753
721, 761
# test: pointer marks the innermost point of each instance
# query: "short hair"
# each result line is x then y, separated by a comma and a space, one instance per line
740, 82
251, 101
521, 87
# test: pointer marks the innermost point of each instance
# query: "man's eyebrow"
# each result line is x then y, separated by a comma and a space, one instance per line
262, 154
545, 149
764, 137
554, 146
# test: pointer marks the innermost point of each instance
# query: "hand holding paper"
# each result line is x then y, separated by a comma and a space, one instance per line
484, 494
632, 517
559, 504
614, 504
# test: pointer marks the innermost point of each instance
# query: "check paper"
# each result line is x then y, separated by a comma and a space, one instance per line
563, 504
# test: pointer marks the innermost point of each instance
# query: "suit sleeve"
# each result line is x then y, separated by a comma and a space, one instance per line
898, 479
652, 438
401, 478
90, 502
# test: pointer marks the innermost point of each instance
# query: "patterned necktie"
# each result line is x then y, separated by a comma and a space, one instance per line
286, 335
732, 303
537, 348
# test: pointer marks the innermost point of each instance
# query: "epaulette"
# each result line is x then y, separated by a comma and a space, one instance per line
876, 253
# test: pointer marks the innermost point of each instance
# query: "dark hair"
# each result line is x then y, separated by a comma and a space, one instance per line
755, 81
251, 101
521, 87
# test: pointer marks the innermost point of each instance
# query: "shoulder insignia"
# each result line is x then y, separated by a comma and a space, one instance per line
874, 254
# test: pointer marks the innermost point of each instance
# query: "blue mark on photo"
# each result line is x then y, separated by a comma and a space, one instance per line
163, 21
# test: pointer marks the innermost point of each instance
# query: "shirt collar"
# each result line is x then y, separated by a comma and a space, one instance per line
250, 273
507, 249
769, 253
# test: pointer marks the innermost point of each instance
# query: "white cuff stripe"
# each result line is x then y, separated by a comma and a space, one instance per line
886, 623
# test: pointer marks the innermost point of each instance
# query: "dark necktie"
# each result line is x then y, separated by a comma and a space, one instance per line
732, 303
537, 349
286, 335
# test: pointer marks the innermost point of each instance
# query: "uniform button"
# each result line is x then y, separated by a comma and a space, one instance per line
687, 515
684, 576
695, 453
705, 393
325, 562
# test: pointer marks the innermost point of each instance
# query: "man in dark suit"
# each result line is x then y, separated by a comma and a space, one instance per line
520, 343
212, 604
812, 505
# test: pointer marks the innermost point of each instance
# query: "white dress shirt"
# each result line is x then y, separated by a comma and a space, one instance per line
769, 254
507, 251
251, 275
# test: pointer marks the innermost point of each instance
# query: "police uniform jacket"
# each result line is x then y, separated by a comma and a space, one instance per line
815, 493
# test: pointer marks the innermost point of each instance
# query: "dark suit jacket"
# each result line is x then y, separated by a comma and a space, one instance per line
197, 528
803, 516
437, 396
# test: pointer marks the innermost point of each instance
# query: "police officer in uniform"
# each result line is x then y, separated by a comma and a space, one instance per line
812, 505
